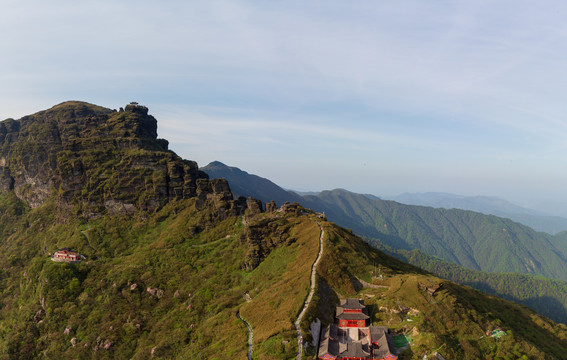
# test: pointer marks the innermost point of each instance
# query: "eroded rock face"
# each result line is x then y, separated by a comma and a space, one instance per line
271, 207
216, 195
262, 236
93, 157
254, 206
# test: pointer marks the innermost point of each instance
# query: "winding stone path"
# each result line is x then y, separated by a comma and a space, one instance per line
310, 296
250, 335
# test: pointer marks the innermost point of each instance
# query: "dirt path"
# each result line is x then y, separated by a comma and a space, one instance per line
86, 235
209, 243
250, 335
310, 296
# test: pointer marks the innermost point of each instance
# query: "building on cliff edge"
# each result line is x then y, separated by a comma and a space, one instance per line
352, 338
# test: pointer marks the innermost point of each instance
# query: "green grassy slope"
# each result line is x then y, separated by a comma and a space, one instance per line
546, 296
104, 301
170, 284
167, 284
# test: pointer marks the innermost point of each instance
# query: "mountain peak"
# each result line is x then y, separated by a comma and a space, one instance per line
72, 108
216, 163
245, 184
92, 158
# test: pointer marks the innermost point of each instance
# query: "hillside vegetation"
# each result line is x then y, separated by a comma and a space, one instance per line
455, 320
167, 284
546, 296
153, 285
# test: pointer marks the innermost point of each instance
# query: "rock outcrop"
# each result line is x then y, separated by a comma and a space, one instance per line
271, 207
262, 236
216, 195
254, 206
95, 159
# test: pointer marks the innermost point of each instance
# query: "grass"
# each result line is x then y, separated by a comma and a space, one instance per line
402, 340
280, 285
95, 297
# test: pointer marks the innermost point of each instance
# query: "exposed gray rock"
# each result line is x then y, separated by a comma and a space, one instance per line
271, 207
254, 206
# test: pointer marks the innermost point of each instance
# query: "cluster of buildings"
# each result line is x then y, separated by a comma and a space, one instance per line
352, 338
66, 255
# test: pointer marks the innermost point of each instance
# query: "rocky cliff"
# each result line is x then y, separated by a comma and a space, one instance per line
93, 159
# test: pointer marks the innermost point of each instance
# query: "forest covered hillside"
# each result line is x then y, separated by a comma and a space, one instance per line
470, 239
546, 296
490, 205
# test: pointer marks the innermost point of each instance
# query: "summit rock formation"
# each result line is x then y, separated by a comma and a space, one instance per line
96, 159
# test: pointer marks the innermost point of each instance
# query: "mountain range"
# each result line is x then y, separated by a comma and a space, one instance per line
264, 189
174, 265
471, 239
478, 242
490, 205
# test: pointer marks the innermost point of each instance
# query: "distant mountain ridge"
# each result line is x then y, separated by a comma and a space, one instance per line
245, 184
473, 240
489, 205
482, 204
470, 239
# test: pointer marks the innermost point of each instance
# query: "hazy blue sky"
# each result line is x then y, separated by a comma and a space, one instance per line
374, 96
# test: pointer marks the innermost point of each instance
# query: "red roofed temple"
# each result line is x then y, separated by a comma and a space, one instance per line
352, 337
66, 255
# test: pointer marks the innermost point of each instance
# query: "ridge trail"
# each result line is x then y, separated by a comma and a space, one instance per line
310, 296
250, 335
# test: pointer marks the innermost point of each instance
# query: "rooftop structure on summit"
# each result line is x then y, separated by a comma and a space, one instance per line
351, 304
66, 255
352, 313
381, 342
137, 108
351, 338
